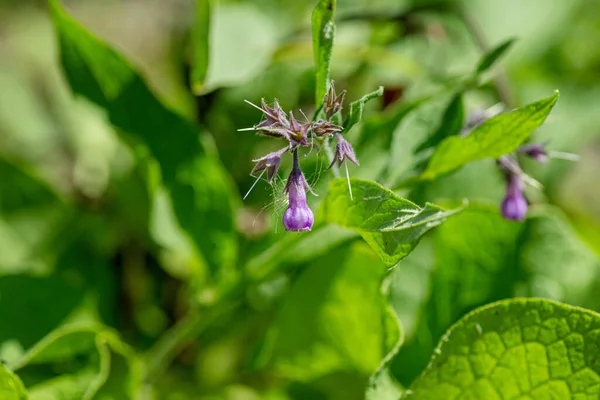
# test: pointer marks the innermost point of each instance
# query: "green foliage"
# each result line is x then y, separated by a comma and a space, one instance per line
200, 200
497, 136
200, 44
493, 56
390, 224
11, 387
520, 347
323, 35
106, 368
357, 107
130, 269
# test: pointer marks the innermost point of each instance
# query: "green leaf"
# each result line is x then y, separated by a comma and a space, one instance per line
335, 322
493, 55
200, 45
390, 224
200, 188
518, 348
414, 131
357, 107
496, 137
94, 364
11, 387
451, 123
323, 34
242, 40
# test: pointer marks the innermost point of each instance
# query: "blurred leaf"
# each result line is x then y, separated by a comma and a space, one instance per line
497, 136
93, 360
200, 44
356, 108
25, 295
557, 264
475, 256
11, 387
528, 348
199, 186
323, 34
390, 224
21, 189
416, 129
297, 249
451, 124
335, 320
242, 39
494, 55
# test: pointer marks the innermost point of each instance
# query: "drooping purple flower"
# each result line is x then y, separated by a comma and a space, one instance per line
298, 216
270, 162
343, 151
537, 151
514, 206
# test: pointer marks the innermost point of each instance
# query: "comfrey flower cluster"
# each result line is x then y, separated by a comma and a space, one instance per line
278, 124
514, 205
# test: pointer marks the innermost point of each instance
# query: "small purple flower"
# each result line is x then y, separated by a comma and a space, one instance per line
537, 151
275, 115
270, 162
298, 216
343, 151
514, 205
298, 132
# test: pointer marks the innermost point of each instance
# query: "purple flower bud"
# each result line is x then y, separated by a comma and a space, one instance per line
298, 216
275, 115
537, 151
343, 151
514, 205
270, 162
332, 103
325, 128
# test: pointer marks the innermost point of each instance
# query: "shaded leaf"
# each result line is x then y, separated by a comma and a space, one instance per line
93, 360
532, 348
199, 186
497, 136
451, 124
335, 320
390, 224
323, 34
200, 44
357, 107
493, 55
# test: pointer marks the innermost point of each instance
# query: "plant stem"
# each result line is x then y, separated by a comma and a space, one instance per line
330, 158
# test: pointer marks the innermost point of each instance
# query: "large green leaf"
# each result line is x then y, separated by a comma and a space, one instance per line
323, 34
519, 348
497, 136
199, 186
335, 321
390, 224
11, 387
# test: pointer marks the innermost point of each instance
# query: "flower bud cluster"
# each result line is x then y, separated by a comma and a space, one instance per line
279, 124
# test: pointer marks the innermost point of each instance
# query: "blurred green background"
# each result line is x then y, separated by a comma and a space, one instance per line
88, 233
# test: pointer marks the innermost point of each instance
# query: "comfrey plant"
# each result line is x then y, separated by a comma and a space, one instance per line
298, 216
514, 205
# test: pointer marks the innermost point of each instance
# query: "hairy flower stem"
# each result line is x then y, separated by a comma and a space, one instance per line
330, 157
